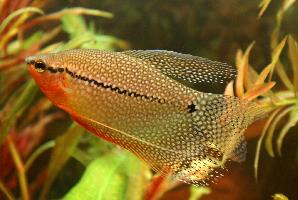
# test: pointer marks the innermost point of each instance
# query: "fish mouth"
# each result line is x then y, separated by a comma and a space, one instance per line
30, 61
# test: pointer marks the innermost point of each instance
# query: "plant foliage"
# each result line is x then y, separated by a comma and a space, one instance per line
34, 155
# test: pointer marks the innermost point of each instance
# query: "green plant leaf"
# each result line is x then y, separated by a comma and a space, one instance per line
22, 102
76, 42
253, 77
65, 146
293, 120
258, 90
6, 192
263, 75
293, 55
287, 4
263, 6
85, 11
34, 38
197, 192
279, 196
238, 57
107, 178
243, 71
92, 149
85, 37
41, 149
277, 118
17, 45
72, 11
106, 42
13, 15
275, 55
259, 144
138, 173
73, 25
283, 76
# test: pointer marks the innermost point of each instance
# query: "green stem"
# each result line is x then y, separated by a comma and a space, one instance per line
6, 191
20, 169
16, 13
259, 144
18, 108
38, 152
286, 102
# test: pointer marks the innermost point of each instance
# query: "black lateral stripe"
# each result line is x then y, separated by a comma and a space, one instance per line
191, 108
113, 88
55, 70
60, 69
52, 69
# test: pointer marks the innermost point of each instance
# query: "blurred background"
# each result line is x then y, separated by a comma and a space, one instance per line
43, 155
213, 29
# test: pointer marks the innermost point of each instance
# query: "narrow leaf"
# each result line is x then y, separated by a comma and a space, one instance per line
65, 146
293, 55
279, 196
276, 53
85, 11
22, 102
268, 141
263, 6
258, 90
238, 58
252, 78
287, 4
73, 24
76, 42
13, 15
262, 77
41, 149
293, 120
68, 11
23, 181
138, 177
259, 144
280, 70
243, 71
6, 192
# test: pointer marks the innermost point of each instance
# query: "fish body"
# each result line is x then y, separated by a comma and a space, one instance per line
141, 100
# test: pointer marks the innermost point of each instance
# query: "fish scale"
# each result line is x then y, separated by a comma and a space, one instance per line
135, 99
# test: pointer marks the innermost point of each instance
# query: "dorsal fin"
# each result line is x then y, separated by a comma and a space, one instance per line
193, 71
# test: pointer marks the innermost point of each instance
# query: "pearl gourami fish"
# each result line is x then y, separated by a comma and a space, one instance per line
142, 101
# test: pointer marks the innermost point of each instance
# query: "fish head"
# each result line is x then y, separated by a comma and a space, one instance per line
49, 73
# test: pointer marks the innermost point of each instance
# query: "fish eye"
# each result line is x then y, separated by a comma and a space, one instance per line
40, 66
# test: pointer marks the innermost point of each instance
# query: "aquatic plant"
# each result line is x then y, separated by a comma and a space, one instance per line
24, 112
34, 156
282, 99
284, 102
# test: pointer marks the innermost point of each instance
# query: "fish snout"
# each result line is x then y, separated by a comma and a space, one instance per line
30, 60
37, 63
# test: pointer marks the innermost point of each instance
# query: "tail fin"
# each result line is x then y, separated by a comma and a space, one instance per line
257, 111
254, 111
224, 121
